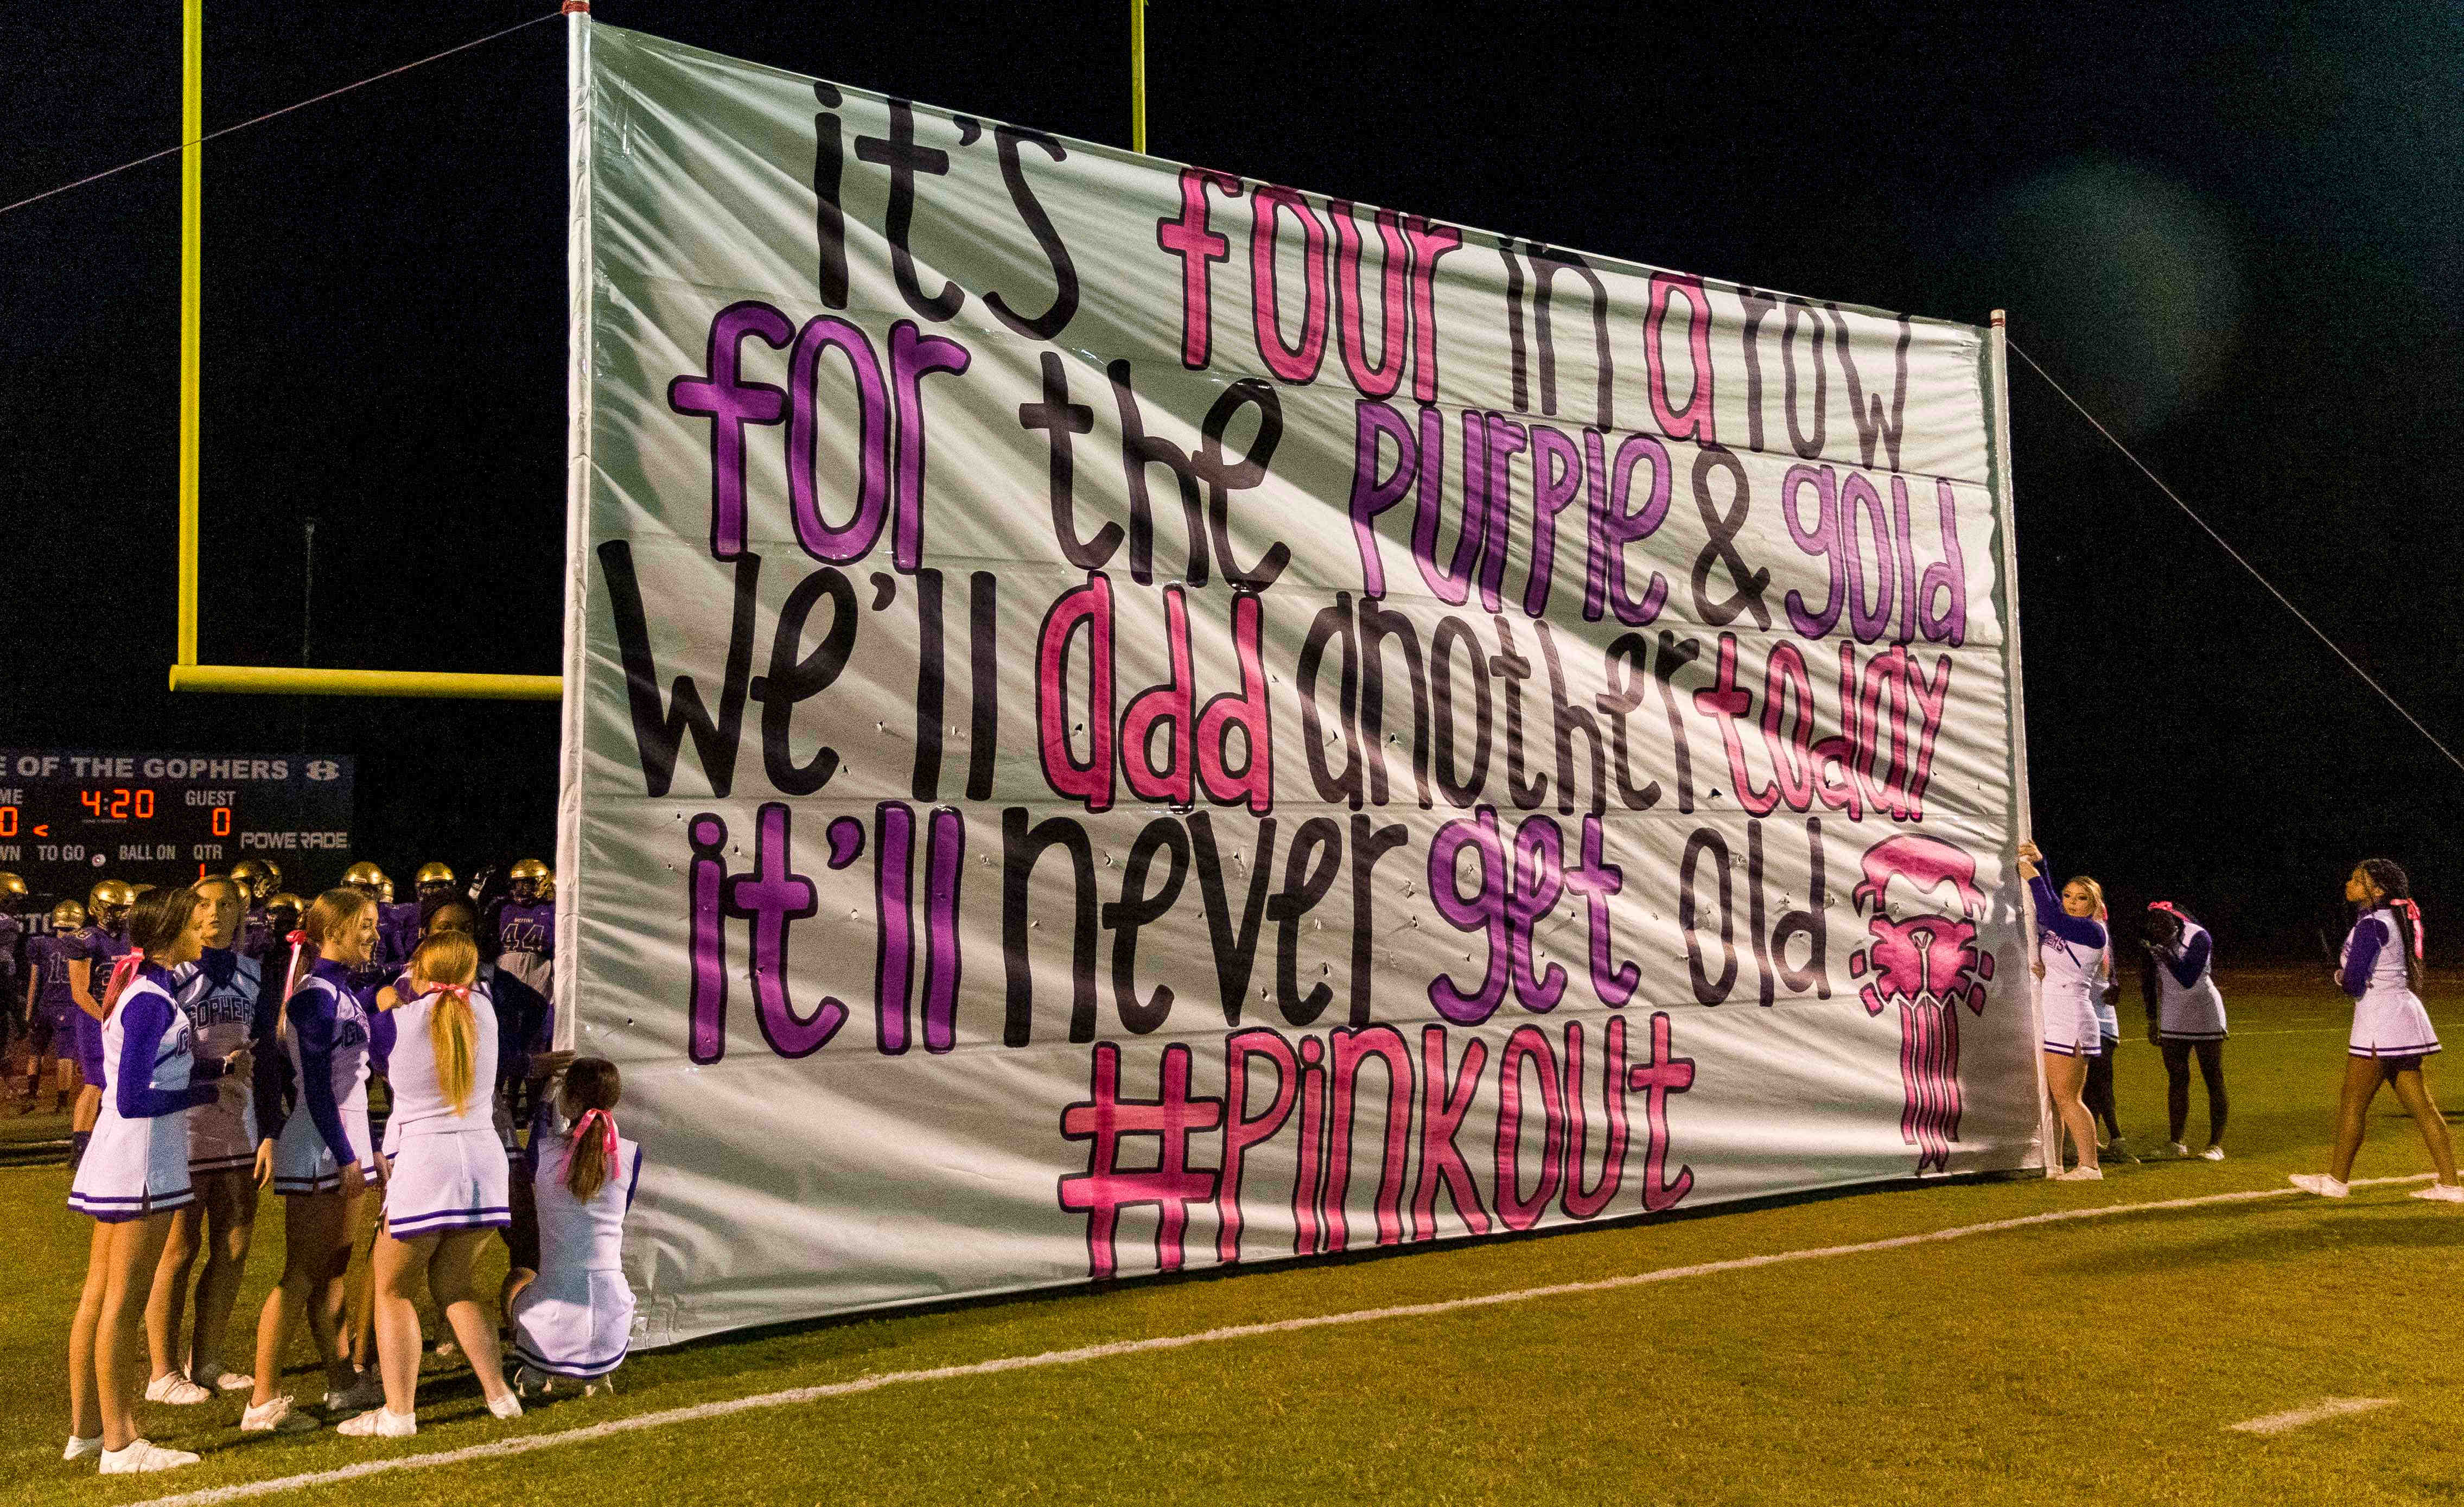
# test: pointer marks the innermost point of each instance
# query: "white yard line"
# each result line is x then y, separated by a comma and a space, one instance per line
524, 1444
2324, 1407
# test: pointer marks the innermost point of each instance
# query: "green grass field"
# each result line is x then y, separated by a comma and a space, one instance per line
2087, 1360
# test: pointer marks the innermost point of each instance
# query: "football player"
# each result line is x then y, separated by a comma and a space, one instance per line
524, 926
51, 1008
91, 952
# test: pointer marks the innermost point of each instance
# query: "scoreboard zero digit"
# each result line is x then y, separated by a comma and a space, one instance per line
70, 817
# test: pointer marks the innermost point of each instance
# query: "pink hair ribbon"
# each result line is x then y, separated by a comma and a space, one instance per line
581, 1128
460, 991
121, 973
2412, 913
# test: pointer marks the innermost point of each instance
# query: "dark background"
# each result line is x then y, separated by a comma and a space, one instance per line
2232, 229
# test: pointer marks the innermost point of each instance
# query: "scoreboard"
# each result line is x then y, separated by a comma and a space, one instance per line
71, 817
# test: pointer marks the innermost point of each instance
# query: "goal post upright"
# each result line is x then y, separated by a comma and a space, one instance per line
186, 673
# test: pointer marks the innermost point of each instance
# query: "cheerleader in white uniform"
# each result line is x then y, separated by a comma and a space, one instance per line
134, 1176
2070, 970
2391, 1034
2185, 1016
574, 1316
446, 1184
218, 993
320, 1160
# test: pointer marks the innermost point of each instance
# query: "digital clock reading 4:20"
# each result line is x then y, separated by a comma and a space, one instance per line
70, 817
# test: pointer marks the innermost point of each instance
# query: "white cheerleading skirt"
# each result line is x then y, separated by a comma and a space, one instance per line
303, 1164
2071, 1027
447, 1181
574, 1324
222, 1138
2391, 1023
133, 1168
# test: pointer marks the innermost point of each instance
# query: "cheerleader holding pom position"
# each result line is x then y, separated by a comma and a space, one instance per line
2392, 1032
2070, 962
135, 1175
446, 1186
2186, 1015
573, 1317
321, 1159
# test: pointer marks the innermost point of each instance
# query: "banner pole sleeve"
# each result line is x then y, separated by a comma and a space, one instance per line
2006, 525
579, 279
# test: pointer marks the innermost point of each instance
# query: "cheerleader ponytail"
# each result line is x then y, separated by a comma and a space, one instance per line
2397, 889
592, 1086
445, 965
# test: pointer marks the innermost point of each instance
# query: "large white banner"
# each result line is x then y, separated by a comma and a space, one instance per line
1125, 719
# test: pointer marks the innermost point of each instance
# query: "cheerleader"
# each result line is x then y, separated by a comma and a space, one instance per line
2097, 1092
135, 1176
573, 1315
2186, 1015
218, 994
52, 1010
2070, 963
446, 1186
320, 1160
2391, 1034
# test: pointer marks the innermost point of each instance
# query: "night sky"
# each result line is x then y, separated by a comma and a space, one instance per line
2234, 230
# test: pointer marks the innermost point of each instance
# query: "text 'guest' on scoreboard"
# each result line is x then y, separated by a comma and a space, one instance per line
71, 816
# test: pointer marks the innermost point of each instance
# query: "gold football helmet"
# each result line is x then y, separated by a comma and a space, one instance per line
365, 877
68, 916
285, 900
531, 880
257, 880
106, 904
11, 885
433, 878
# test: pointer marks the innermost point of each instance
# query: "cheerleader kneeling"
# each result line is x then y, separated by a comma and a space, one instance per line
2391, 1035
573, 1319
447, 1182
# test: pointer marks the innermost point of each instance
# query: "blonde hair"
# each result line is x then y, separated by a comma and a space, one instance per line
450, 961
321, 922
2096, 892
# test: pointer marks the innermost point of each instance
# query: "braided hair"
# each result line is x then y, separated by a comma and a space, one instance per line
2390, 878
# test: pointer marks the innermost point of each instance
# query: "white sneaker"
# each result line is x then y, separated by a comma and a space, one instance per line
277, 1416
358, 1398
2321, 1184
380, 1423
140, 1455
506, 1406
82, 1448
2080, 1175
2213, 1154
177, 1390
2441, 1193
2180, 1150
234, 1382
